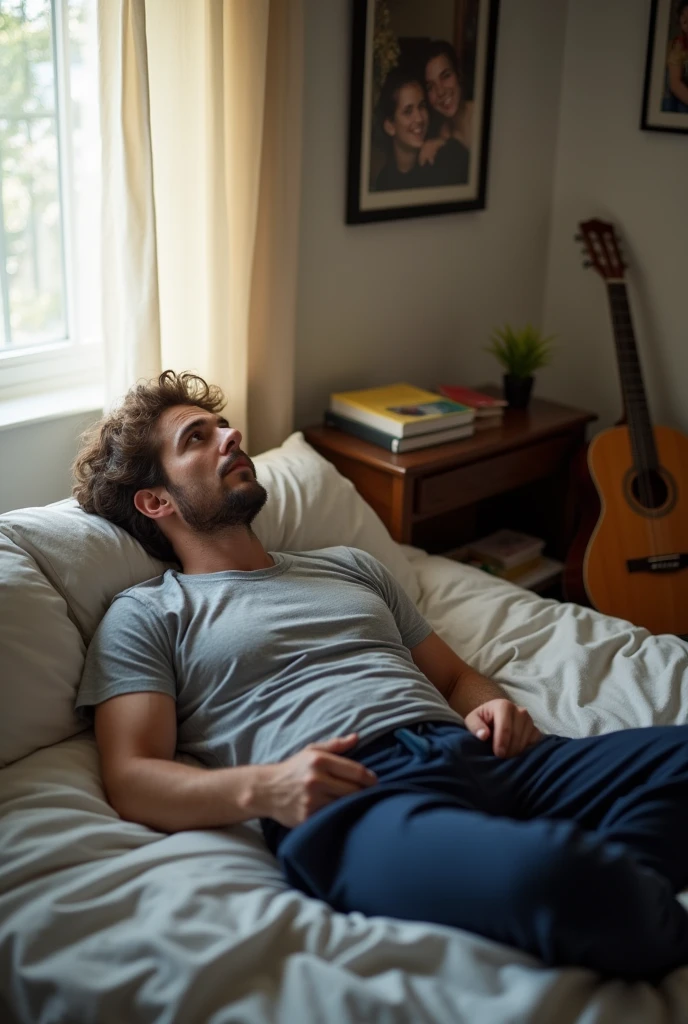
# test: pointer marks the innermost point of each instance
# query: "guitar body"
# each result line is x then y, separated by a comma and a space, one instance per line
643, 518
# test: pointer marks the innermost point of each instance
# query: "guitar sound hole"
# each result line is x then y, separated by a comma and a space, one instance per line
649, 489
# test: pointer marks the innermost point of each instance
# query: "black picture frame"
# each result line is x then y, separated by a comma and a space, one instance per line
656, 114
365, 203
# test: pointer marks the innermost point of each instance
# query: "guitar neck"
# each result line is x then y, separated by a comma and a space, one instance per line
632, 388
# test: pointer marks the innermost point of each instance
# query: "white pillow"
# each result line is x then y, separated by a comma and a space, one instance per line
311, 505
41, 658
86, 558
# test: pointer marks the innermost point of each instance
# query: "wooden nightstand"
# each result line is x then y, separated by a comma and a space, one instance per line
516, 475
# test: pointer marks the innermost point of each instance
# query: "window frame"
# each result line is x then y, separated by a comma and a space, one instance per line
68, 362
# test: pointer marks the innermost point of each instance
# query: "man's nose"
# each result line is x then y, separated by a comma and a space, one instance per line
230, 439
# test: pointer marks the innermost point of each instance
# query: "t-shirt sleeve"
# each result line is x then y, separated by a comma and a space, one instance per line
412, 626
129, 653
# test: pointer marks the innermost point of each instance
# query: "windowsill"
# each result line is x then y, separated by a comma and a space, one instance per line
53, 405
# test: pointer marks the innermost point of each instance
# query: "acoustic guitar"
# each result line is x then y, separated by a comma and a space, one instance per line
636, 561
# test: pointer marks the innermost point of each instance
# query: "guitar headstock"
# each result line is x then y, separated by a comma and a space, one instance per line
602, 249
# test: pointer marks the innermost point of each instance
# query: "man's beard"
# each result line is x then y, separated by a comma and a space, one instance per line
237, 507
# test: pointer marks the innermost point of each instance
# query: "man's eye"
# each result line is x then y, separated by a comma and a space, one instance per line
196, 433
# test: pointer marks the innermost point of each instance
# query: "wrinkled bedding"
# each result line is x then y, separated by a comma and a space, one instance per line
106, 921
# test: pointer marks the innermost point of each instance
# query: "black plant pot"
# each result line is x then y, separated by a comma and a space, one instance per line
517, 390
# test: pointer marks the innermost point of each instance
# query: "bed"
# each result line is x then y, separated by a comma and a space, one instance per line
104, 921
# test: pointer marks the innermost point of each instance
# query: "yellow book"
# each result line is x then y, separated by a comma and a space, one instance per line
401, 410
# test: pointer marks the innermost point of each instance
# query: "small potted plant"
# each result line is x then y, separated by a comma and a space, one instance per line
521, 353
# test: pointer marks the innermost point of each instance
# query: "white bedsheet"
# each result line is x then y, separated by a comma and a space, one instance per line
105, 921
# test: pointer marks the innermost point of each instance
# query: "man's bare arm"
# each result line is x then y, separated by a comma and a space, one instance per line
462, 687
137, 736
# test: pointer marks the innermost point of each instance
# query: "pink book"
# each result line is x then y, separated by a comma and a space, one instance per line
475, 399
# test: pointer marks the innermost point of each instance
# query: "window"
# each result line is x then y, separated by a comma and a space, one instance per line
49, 196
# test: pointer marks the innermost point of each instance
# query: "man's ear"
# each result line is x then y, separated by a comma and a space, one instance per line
389, 127
155, 503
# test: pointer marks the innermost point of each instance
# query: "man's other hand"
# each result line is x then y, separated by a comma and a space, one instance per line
510, 726
292, 790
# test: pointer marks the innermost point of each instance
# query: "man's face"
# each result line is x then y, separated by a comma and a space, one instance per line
211, 481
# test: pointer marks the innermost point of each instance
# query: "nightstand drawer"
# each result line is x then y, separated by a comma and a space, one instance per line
468, 484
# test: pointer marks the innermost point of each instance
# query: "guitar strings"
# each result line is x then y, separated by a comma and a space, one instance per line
640, 436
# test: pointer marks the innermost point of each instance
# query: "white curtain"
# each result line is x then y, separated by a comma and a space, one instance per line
131, 312
201, 122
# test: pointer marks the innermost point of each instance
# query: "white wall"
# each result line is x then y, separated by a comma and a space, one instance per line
607, 167
418, 298
35, 460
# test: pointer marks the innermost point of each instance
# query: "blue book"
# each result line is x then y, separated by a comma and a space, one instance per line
397, 445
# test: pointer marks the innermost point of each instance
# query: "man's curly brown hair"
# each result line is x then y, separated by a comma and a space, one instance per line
120, 454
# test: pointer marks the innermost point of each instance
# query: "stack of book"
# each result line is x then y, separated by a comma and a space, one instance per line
489, 411
513, 556
400, 417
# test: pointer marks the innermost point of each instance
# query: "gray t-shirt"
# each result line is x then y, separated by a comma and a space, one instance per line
263, 663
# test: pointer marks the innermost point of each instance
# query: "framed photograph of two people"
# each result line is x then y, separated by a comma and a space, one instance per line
421, 96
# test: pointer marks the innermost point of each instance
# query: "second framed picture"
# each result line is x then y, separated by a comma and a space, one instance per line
665, 95
421, 97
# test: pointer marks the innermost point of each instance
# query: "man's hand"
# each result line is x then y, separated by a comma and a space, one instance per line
511, 727
292, 790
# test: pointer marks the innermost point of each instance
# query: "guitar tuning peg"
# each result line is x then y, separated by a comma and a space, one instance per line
587, 263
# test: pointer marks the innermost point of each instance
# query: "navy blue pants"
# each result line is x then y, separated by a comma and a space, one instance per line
573, 850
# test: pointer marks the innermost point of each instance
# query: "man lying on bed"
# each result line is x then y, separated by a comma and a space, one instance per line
389, 776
